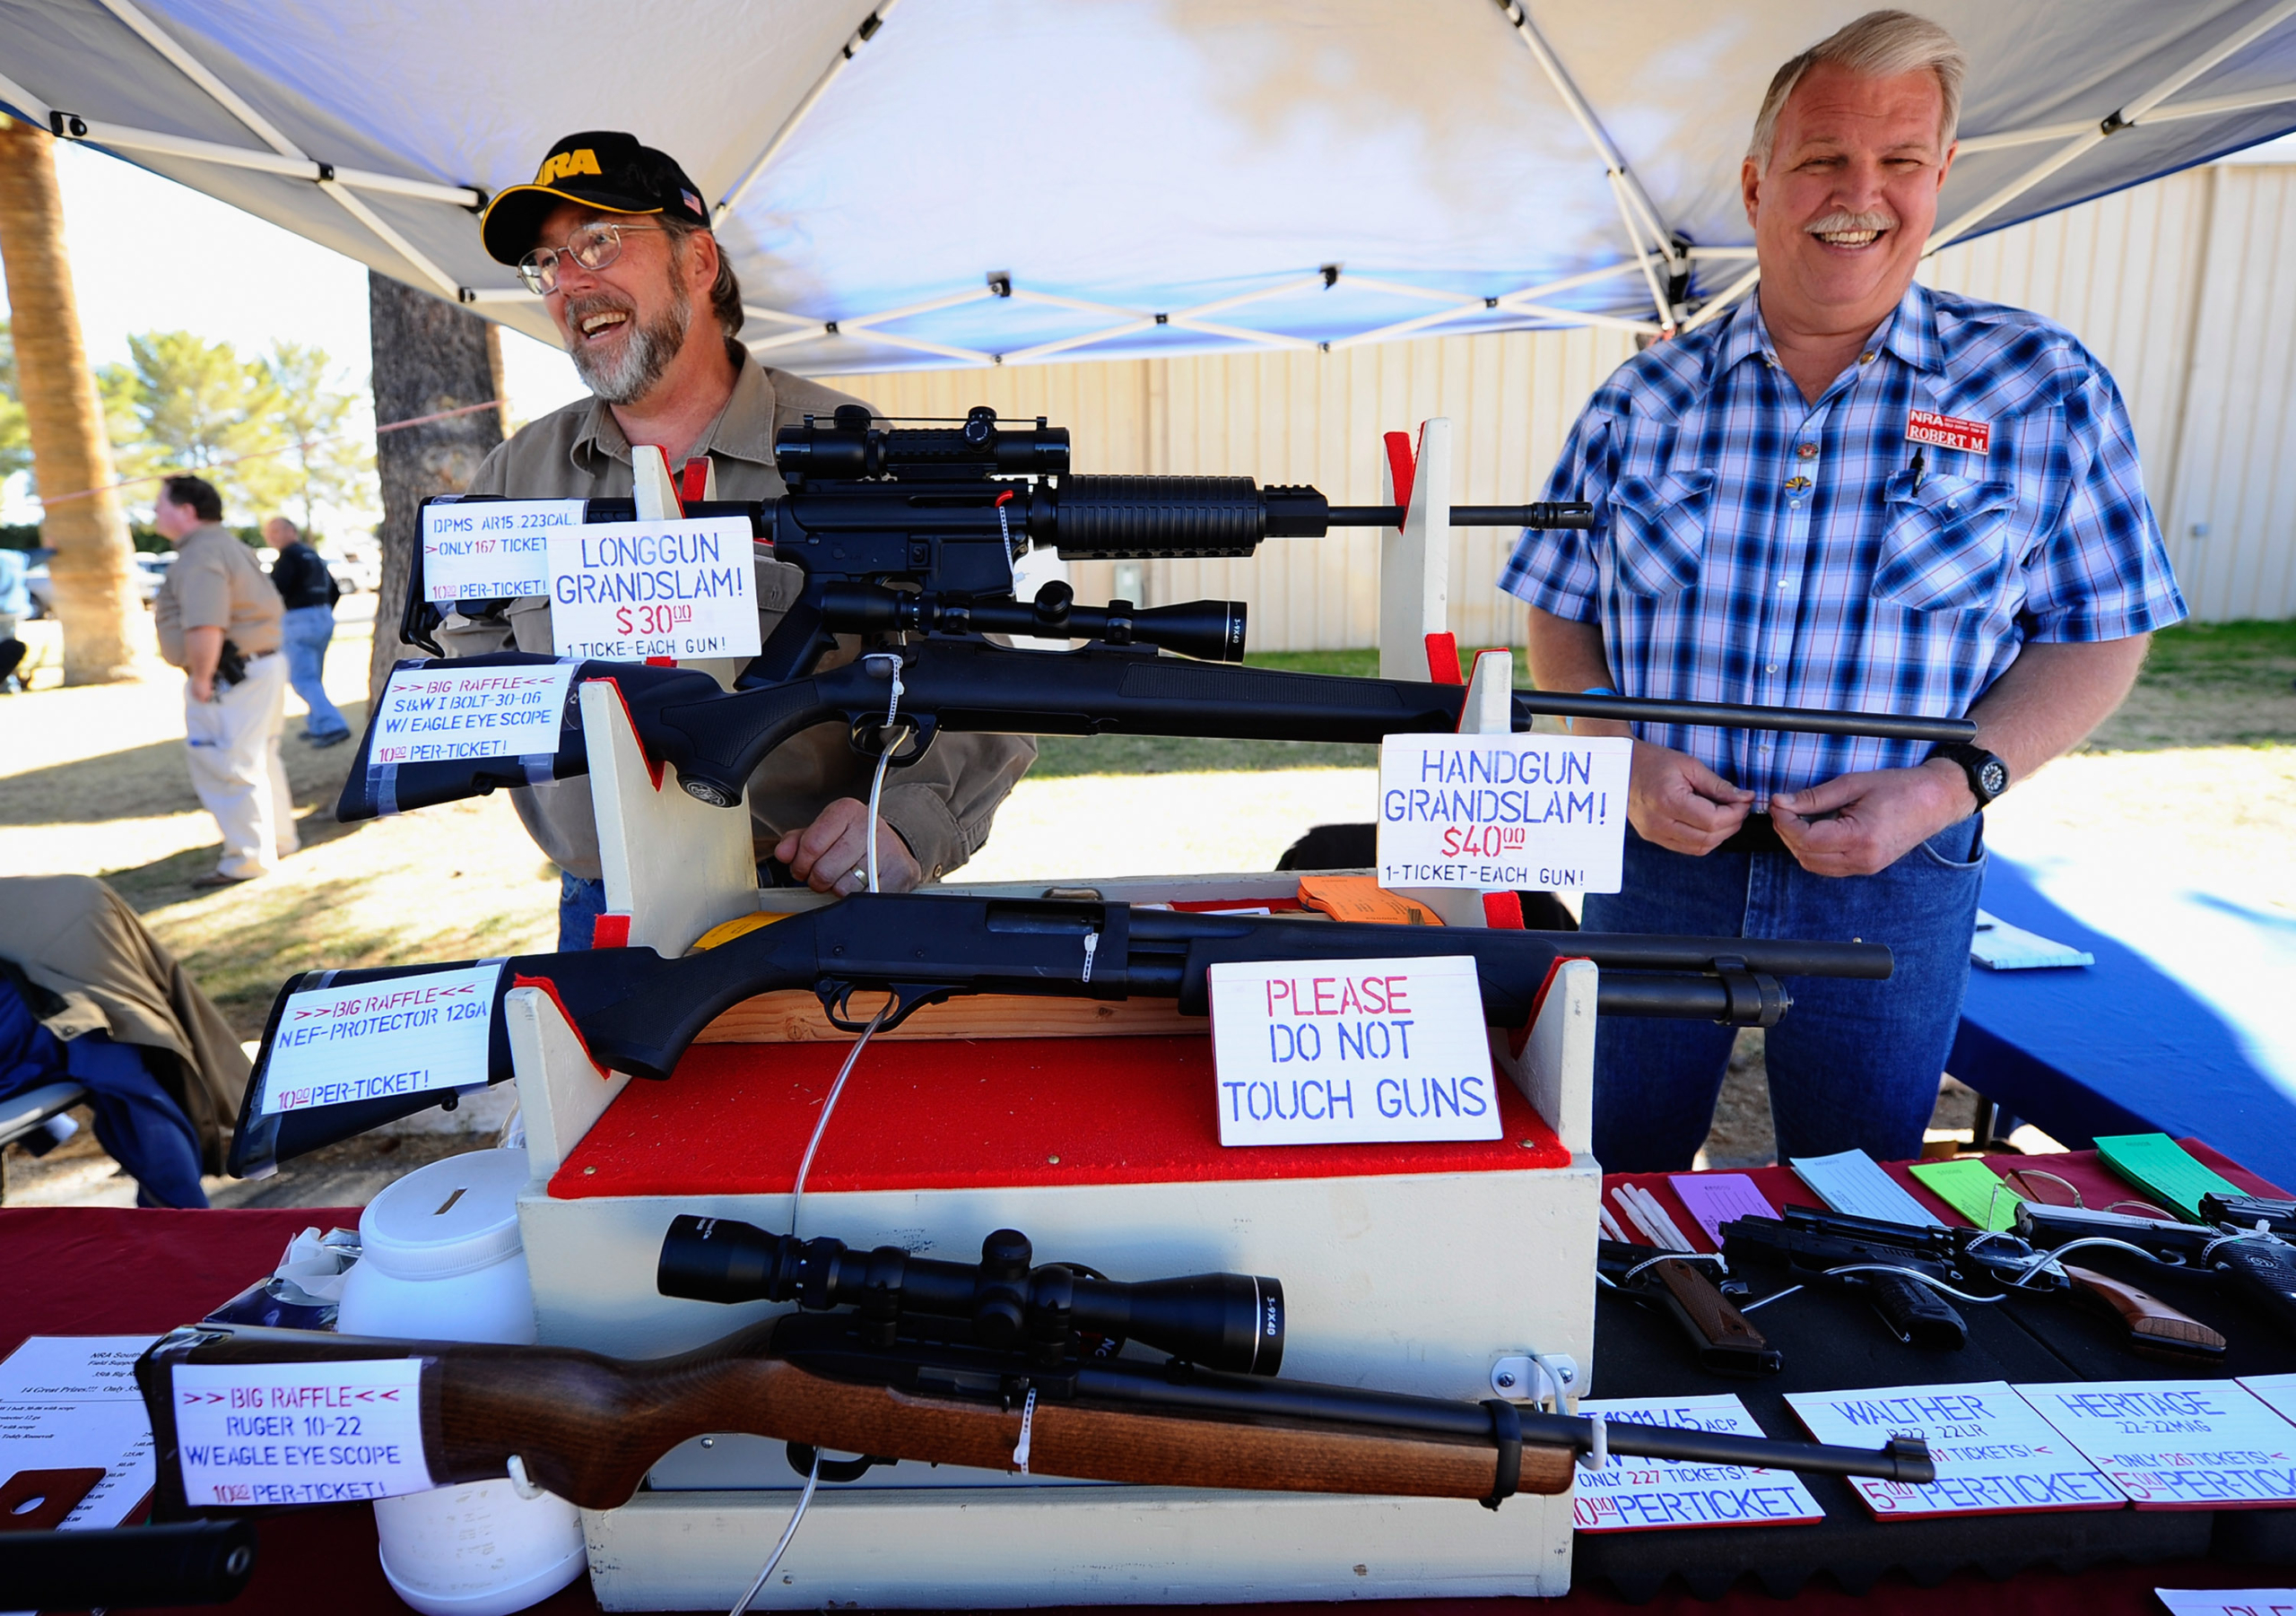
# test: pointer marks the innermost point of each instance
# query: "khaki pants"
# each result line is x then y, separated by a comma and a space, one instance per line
233, 744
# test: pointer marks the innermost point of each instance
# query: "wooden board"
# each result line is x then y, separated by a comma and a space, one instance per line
796, 1017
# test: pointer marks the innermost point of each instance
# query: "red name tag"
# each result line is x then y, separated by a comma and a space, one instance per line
1948, 431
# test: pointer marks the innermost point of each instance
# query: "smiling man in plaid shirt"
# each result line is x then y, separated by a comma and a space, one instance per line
1849, 493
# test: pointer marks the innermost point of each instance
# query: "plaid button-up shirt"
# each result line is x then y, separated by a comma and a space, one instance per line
1751, 546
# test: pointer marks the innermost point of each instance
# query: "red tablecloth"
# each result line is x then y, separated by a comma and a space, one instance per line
94, 1271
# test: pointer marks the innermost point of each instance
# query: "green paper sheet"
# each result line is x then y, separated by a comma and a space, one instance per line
2162, 1168
1972, 1190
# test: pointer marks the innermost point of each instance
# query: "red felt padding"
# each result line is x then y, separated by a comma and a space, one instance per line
1403, 467
610, 930
973, 1114
1443, 663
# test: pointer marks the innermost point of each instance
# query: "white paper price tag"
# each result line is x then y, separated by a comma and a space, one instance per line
491, 548
299, 1433
624, 591
404, 1035
433, 714
1994, 1455
1346, 1051
1641, 1495
2176, 1444
1497, 813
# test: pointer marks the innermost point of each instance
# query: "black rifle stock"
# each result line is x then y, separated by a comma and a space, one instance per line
637, 1011
716, 739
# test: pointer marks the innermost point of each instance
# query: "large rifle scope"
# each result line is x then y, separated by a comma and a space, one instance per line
1210, 630
1222, 1321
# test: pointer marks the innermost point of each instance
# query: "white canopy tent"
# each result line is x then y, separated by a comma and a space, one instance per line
930, 183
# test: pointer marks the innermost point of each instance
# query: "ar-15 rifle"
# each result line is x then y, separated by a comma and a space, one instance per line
912, 531
637, 1011
891, 1381
1906, 1271
2241, 1245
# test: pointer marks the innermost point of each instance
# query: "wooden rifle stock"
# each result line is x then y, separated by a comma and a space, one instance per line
588, 1427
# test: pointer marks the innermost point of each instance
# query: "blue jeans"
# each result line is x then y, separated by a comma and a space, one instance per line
307, 630
1853, 1064
580, 902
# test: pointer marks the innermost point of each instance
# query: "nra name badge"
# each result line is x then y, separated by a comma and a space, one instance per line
1948, 432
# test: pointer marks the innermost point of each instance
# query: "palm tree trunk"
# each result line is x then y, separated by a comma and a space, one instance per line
430, 356
95, 589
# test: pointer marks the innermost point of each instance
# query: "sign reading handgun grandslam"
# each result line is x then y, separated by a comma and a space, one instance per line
1498, 814
371, 1040
625, 591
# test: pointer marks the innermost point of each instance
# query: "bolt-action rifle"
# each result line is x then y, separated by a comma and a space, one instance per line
1038, 1390
637, 1011
1908, 1270
914, 533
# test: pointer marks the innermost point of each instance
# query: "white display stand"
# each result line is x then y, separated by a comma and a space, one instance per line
1416, 1283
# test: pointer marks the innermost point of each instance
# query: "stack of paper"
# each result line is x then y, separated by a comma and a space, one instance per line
1995, 1455
1972, 1190
1852, 1183
1636, 1495
1999, 946
2163, 1170
1714, 1199
70, 1402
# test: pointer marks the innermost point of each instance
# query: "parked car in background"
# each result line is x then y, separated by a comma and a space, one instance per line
150, 571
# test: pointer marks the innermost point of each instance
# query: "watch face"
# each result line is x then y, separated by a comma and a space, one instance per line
1993, 773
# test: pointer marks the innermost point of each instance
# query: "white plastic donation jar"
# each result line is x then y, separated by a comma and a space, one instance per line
441, 1261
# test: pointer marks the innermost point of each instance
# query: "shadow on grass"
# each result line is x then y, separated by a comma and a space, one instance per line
145, 782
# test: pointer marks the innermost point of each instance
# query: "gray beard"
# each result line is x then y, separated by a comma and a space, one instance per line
644, 360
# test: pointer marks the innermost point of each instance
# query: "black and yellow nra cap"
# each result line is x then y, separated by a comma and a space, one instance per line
603, 168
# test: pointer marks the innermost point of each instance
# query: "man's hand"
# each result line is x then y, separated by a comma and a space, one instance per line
202, 687
1855, 824
831, 855
1680, 803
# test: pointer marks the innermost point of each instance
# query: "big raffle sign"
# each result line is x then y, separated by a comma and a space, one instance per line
371, 1040
1514, 812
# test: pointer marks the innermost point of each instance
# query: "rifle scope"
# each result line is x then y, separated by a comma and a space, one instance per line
853, 447
1222, 1321
1210, 629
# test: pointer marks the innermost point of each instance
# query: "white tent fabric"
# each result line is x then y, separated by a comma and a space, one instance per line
939, 182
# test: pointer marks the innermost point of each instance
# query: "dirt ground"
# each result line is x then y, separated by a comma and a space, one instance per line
2199, 768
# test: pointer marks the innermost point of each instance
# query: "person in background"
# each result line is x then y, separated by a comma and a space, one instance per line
1851, 491
218, 618
308, 593
16, 602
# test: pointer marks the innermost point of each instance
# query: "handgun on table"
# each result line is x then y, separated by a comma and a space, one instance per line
1675, 1283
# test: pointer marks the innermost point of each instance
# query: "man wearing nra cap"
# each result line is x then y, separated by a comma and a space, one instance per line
1851, 492
613, 236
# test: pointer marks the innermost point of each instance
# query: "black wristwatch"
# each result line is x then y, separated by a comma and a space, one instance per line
1988, 776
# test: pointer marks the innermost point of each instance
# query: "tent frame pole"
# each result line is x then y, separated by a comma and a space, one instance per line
232, 101
2128, 116
2239, 100
861, 36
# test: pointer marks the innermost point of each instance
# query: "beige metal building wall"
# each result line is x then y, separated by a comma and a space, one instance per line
2183, 287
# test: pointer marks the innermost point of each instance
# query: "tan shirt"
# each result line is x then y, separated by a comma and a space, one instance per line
216, 583
942, 805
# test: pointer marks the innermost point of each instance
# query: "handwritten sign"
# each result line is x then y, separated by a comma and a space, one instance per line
624, 591
491, 548
431, 714
1503, 812
2227, 1602
1634, 1495
2178, 1444
1340, 1051
370, 1040
299, 1433
1995, 1455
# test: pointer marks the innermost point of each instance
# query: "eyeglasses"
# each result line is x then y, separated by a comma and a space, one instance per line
593, 246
